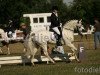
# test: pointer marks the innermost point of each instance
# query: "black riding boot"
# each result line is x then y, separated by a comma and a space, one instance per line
58, 41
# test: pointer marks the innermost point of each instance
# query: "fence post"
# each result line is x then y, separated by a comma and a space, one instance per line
81, 51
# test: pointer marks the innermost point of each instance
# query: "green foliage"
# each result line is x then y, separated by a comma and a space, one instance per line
83, 9
25, 20
14, 9
86, 9
96, 8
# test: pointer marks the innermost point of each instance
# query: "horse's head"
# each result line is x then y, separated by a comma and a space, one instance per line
72, 24
80, 27
79, 23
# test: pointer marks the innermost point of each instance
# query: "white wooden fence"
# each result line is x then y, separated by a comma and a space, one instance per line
23, 59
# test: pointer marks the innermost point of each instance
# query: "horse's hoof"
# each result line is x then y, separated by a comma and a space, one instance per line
47, 62
54, 63
33, 65
68, 61
79, 61
29, 57
1, 52
8, 53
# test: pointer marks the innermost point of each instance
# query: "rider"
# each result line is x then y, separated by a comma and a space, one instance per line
55, 25
26, 29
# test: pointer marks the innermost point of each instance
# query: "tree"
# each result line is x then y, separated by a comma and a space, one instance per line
83, 9
14, 9
96, 8
11, 9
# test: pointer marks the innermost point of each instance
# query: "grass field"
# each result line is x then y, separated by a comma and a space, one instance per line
90, 66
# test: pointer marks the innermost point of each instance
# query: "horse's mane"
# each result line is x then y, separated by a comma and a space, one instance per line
70, 24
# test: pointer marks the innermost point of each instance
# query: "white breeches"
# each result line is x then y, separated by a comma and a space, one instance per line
56, 30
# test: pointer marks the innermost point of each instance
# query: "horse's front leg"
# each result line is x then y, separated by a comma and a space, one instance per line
1, 47
1, 50
8, 50
74, 49
75, 55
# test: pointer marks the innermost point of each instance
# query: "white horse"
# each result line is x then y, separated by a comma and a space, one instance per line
89, 29
4, 38
43, 36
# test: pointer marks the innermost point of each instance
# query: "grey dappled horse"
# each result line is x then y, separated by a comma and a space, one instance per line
41, 38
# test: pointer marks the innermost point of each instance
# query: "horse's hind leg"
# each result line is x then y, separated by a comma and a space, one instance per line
46, 53
31, 46
33, 54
